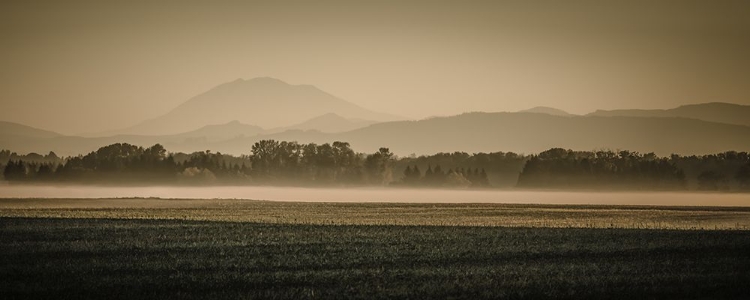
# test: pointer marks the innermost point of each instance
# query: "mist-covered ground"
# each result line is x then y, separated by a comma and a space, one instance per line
402, 214
380, 195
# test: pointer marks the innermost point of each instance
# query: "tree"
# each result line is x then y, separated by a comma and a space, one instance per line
709, 180
44, 172
483, 179
412, 176
437, 176
416, 174
378, 166
407, 174
743, 176
15, 170
456, 179
264, 157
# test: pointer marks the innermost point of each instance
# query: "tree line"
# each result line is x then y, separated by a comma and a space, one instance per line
561, 168
337, 164
270, 162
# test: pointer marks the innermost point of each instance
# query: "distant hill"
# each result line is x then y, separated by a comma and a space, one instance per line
533, 132
15, 129
547, 110
264, 102
331, 123
472, 132
221, 132
528, 133
714, 112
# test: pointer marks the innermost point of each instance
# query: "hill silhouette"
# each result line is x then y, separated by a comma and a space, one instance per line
331, 123
529, 133
221, 132
534, 132
714, 112
471, 132
15, 129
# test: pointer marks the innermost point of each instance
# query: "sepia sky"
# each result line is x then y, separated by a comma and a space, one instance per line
86, 66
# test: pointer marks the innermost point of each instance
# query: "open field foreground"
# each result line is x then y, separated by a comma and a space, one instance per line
156, 248
435, 214
136, 259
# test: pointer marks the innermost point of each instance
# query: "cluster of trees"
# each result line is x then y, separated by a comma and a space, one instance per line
337, 163
6, 156
561, 168
31, 160
453, 178
290, 162
281, 162
123, 162
270, 162
723, 171
502, 168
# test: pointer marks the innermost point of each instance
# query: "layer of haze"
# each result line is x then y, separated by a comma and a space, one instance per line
379, 195
75, 67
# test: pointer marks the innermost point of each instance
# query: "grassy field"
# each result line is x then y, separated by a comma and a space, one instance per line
148, 248
417, 214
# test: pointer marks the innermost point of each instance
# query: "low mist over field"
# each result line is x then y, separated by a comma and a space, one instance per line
377, 195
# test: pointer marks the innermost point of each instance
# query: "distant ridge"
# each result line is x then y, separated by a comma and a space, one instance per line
331, 123
519, 132
15, 129
728, 113
533, 133
220, 132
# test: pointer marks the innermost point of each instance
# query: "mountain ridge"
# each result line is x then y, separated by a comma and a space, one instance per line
331, 123
520, 132
12, 128
721, 112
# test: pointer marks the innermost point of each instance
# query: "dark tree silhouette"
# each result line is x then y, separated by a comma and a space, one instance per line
709, 180
275, 162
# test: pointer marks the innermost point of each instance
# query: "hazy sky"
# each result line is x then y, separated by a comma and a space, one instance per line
76, 67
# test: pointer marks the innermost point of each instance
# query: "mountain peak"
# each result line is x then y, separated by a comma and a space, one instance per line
546, 110
266, 79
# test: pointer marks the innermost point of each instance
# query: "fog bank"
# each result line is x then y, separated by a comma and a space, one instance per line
381, 195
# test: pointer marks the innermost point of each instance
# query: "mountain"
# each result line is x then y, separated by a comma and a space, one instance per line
547, 110
264, 101
714, 112
471, 132
15, 129
527, 133
331, 123
533, 132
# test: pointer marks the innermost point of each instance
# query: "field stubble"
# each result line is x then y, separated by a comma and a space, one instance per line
230, 249
316, 213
